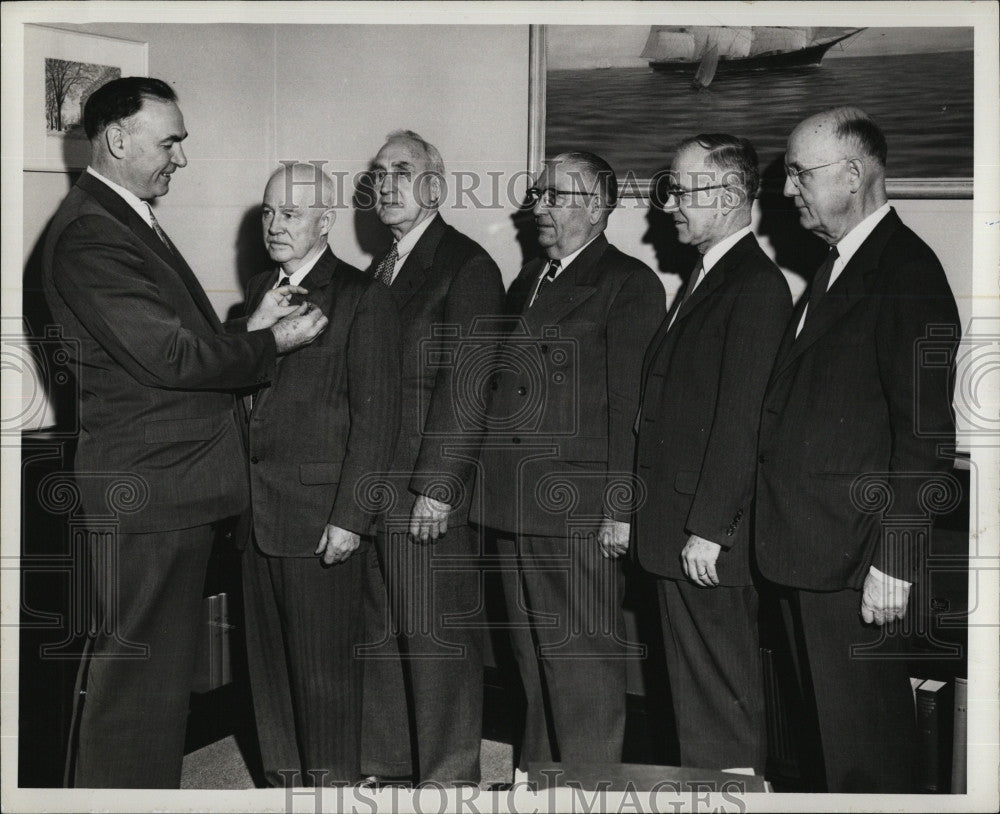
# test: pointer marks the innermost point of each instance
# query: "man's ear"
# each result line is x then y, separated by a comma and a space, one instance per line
732, 197
326, 221
595, 209
856, 171
116, 137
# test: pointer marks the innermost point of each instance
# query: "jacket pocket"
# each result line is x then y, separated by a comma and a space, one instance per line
686, 482
323, 472
176, 430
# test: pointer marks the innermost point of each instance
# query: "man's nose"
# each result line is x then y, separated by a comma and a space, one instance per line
178, 158
790, 189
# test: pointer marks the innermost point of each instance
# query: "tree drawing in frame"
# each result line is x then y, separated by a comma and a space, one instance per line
68, 85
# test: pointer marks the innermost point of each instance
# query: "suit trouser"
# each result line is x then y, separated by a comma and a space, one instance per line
435, 604
303, 622
712, 649
134, 713
568, 636
863, 703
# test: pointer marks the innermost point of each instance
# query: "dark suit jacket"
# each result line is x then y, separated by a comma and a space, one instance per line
154, 366
846, 399
330, 417
565, 395
446, 283
703, 384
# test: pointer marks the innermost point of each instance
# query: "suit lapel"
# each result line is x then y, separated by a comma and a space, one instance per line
420, 259
119, 208
847, 291
714, 279
574, 285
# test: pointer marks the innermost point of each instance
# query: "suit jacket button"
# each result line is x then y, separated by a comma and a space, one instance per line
254, 460
515, 440
522, 391
761, 458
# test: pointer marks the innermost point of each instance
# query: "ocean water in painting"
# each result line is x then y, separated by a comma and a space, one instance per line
634, 116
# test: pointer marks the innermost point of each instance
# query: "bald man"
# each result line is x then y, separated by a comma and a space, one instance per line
329, 419
844, 403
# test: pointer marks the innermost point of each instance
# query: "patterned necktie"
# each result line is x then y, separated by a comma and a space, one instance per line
551, 272
692, 284
159, 230
821, 282
386, 266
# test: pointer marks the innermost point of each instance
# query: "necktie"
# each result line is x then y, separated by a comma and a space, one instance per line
821, 282
383, 273
285, 280
551, 272
692, 284
159, 230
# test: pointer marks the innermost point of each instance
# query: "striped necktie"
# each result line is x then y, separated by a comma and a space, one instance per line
159, 230
387, 265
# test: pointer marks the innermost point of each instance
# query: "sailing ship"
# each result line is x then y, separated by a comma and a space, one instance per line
709, 50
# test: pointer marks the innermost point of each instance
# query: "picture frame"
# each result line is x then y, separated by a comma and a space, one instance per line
638, 185
62, 68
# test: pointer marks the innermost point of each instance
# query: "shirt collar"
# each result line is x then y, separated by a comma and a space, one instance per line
406, 243
718, 251
569, 258
133, 200
300, 274
852, 241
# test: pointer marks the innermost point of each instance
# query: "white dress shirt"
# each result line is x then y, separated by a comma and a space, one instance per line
406, 243
139, 205
846, 249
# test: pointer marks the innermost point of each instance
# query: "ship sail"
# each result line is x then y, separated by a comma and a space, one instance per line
665, 42
706, 70
732, 49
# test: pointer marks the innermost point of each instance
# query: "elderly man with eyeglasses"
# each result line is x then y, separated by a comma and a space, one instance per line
555, 478
703, 383
848, 414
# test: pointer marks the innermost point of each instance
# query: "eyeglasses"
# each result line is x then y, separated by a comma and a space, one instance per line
682, 192
549, 196
794, 175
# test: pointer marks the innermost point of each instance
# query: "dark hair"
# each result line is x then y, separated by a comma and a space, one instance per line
599, 169
863, 131
733, 155
121, 98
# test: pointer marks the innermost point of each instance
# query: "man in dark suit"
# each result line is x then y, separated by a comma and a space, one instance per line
703, 382
555, 477
844, 408
324, 426
442, 281
157, 372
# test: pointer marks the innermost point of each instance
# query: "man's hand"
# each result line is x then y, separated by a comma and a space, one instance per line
429, 519
337, 544
698, 559
883, 598
299, 328
277, 303
612, 537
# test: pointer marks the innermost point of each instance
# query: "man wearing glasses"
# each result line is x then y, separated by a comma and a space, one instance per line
844, 403
555, 481
703, 383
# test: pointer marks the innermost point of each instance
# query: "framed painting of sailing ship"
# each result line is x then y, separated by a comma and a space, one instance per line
62, 69
629, 93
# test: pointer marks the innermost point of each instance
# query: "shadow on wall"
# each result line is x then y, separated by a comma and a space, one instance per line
795, 249
251, 256
37, 319
373, 238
